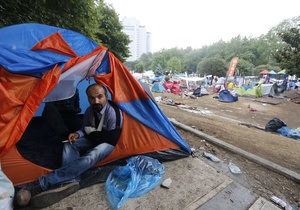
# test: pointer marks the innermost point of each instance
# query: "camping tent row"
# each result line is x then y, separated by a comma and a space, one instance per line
40, 63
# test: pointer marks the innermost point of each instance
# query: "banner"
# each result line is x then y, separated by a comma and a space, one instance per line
232, 66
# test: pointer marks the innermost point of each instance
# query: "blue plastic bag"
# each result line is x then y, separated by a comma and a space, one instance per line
140, 175
289, 132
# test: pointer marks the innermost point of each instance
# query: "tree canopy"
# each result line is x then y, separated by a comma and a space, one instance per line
289, 56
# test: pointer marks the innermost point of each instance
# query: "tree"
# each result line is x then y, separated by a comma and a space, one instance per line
158, 59
174, 65
110, 32
289, 57
139, 67
75, 15
146, 58
212, 66
130, 65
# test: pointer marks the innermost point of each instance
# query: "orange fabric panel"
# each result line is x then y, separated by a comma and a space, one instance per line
25, 94
77, 60
135, 139
56, 43
120, 83
19, 170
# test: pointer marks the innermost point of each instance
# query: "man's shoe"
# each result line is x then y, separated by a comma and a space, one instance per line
49, 197
28, 191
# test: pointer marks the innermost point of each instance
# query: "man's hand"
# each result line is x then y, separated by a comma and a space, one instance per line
73, 137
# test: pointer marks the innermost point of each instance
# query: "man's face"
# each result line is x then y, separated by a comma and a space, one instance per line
97, 97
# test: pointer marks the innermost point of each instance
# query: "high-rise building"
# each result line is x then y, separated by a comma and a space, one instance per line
139, 37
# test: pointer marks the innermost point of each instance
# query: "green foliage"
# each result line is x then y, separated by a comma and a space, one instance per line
75, 15
130, 65
139, 67
146, 58
174, 65
244, 68
110, 32
159, 60
212, 66
289, 57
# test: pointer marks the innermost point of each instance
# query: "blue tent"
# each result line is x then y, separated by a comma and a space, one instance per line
226, 96
158, 87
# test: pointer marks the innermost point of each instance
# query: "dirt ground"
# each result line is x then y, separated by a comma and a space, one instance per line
223, 121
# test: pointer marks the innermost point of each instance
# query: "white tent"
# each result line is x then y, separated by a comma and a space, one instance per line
191, 82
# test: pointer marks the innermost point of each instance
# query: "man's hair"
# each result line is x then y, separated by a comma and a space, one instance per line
95, 84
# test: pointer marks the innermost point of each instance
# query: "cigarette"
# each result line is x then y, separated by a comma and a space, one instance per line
65, 141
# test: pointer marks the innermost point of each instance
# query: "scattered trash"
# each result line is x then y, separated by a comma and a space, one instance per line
233, 168
167, 183
140, 175
281, 203
211, 156
274, 124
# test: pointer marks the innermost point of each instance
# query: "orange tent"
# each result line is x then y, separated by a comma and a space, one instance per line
40, 63
264, 72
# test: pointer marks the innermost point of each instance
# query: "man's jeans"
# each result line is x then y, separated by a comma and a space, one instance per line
77, 158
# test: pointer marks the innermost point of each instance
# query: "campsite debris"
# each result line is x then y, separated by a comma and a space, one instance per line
281, 203
167, 183
233, 168
251, 126
211, 156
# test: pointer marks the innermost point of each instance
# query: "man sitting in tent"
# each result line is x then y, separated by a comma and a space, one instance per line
62, 116
101, 129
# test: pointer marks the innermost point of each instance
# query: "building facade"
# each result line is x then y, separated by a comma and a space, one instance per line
139, 37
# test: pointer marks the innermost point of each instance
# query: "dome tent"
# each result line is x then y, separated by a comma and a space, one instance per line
35, 69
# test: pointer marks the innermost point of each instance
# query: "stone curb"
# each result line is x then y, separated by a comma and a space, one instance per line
266, 163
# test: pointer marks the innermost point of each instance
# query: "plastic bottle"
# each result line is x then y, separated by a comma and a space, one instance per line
211, 156
281, 203
233, 168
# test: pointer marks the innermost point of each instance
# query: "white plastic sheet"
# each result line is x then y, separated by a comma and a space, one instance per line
7, 192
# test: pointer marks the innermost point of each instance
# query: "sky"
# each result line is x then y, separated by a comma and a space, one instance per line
196, 23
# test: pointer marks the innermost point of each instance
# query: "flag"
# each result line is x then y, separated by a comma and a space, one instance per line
232, 66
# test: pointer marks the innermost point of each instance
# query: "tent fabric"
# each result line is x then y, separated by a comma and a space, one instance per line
264, 72
255, 91
226, 96
269, 90
174, 87
36, 59
282, 71
158, 87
